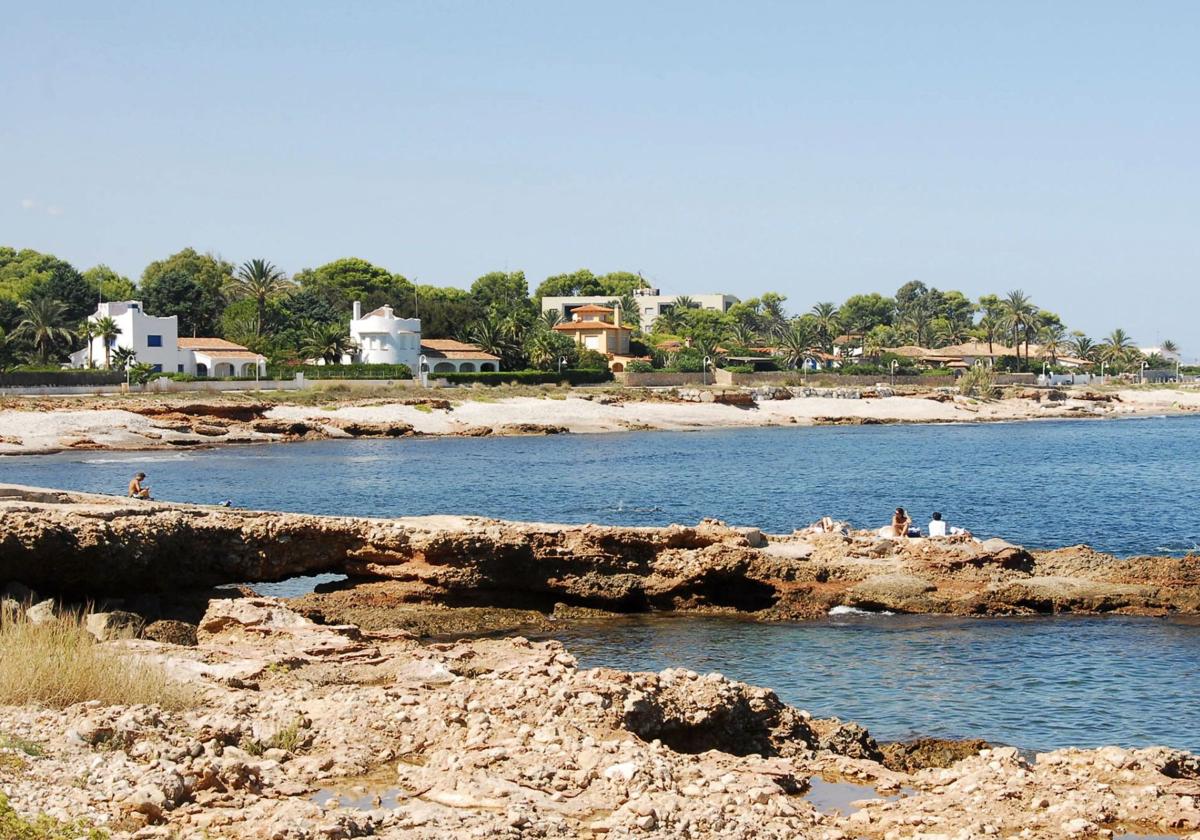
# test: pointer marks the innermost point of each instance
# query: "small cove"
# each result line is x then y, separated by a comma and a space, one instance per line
1127, 487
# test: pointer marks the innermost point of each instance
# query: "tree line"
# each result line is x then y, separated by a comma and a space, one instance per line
45, 303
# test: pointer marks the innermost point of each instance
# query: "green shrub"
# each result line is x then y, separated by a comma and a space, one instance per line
979, 382
528, 377
341, 371
740, 368
591, 360
639, 366
15, 827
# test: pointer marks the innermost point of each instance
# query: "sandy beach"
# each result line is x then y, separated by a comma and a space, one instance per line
45, 425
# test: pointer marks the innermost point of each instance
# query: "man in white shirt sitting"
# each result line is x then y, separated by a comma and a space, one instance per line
937, 527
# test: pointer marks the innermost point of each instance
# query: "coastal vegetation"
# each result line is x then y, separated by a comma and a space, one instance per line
56, 663
45, 301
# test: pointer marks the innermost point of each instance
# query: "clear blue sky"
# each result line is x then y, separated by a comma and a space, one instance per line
815, 148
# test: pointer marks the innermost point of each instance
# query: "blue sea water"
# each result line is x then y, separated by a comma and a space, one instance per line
1127, 487
1035, 683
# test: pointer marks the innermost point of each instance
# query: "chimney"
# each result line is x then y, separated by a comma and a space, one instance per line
357, 310
617, 314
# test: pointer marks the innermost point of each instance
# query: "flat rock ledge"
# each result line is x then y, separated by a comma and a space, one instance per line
300, 731
91, 546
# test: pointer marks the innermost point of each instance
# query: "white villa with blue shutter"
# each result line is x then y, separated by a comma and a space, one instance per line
156, 342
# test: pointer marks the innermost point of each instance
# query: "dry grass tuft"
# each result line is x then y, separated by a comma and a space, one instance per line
58, 663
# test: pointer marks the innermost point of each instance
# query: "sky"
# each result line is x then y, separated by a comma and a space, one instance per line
819, 149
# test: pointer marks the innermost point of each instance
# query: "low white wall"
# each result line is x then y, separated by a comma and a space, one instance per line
162, 386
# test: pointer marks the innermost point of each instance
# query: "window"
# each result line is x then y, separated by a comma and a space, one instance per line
154, 341
179, 368
157, 368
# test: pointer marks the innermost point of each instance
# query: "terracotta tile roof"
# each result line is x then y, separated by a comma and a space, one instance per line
974, 348
579, 326
210, 344
380, 312
910, 350
446, 344
448, 348
593, 308
229, 354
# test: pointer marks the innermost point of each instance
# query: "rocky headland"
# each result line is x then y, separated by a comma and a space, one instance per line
103, 547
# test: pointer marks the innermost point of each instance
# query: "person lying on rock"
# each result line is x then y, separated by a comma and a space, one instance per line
137, 490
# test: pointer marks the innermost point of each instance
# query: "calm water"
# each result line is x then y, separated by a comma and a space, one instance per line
1127, 487
1130, 486
1038, 683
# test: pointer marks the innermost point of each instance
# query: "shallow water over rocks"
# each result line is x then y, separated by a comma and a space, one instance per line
1034, 683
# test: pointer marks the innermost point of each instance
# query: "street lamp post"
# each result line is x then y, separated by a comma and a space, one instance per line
1142, 374
893, 366
704, 370
423, 373
1103, 365
562, 360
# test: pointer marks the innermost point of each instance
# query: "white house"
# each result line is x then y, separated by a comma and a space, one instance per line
650, 304
384, 339
445, 355
155, 341
1171, 356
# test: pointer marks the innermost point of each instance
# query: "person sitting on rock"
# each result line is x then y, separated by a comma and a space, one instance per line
900, 523
136, 489
937, 525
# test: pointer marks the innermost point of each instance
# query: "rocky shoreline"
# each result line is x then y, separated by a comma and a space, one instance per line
31, 426
329, 717
95, 547
301, 730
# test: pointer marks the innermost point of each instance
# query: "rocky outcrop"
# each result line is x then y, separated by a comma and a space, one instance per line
98, 546
300, 731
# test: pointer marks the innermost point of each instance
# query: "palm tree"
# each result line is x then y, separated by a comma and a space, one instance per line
87, 332
669, 321
42, 323
742, 335
328, 342
6, 358
488, 332
543, 350
685, 303
107, 331
795, 344
259, 281
1170, 346
989, 329
774, 319
918, 317
1117, 349
1053, 337
550, 319
827, 324
123, 357
1081, 347
1021, 319
630, 315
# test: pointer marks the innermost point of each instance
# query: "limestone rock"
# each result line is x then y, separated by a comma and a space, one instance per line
107, 626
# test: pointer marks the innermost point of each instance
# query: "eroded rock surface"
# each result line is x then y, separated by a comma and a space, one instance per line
105, 546
307, 731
